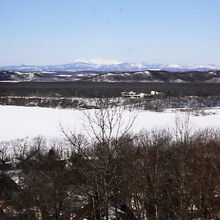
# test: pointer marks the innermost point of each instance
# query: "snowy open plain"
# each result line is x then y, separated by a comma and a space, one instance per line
19, 122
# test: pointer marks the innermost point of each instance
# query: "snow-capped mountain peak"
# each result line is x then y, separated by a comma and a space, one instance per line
98, 61
110, 65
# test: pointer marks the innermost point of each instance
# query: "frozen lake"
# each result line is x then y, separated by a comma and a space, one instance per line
19, 122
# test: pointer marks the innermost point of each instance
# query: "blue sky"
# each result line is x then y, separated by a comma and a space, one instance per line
152, 31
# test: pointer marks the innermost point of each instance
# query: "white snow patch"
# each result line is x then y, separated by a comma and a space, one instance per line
138, 65
178, 81
65, 75
20, 122
80, 75
47, 72
173, 66
147, 73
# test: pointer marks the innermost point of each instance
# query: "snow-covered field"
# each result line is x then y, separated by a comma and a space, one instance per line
19, 122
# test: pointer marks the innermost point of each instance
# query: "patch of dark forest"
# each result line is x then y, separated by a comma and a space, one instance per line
105, 89
50, 102
149, 103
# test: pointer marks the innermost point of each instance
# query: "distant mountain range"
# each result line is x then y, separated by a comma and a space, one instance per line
111, 71
94, 65
161, 76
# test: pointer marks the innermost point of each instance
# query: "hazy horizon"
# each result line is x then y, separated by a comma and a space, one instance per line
109, 62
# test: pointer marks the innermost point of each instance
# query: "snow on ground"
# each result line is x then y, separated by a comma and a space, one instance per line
20, 122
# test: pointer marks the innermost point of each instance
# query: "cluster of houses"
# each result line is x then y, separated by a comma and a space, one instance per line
132, 94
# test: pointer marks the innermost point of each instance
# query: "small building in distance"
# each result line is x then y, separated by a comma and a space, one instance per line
154, 93
132, 94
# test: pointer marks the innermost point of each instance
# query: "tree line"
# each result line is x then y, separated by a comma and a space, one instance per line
105, 89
